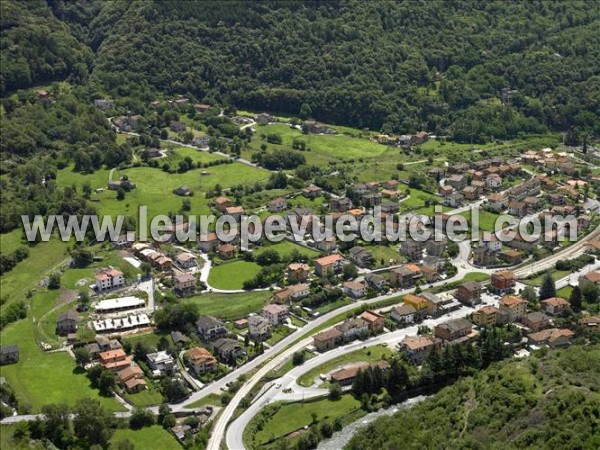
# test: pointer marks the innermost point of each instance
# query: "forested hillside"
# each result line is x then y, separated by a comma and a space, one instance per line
549, 401
37, 47
400, 66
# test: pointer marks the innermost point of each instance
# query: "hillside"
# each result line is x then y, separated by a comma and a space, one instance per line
550, 401
403, 66
38, 48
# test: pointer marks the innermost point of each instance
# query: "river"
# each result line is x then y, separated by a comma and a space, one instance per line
341, 438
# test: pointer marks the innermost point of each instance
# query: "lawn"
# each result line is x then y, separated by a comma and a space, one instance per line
42, 259
210, 399
151, 438
475, 276
537, 281
231, 275
154, 187
369, 354
40, 378
230, 306
487, 220
386, 253
278, 334
147, 397
149, 339
294, 416
285, 249
11, 241
323, 148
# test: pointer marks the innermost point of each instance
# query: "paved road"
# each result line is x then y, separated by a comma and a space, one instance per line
220, 426
288, 381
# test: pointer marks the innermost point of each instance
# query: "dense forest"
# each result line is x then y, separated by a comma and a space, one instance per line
397, 66
550, 400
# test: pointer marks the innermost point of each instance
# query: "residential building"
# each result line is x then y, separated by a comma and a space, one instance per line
453, 329
222, 203
208, 242
361, 257
340, 204
328, 339
121, 304
375, 321
436, 246
416, 301
511, 257
277, 204
186, 260
436, 304
493, 181
229, 349
554, 306
353, 328
226, 251
259, 328
375, 282
471, 192
552, 337
293, 292
458, 182
297, 272
536, 321
590, 324
67, 323
201, 361
114, 360
109, 279
454, 200
514, 306
311, 191
497, 202
354, 289
160, 362
486, 316
418, 348
9, 354
430, 273
404, 276
517, 208
328, 265
503, 281
210, 328
483, 256
179, 338
346, 375
404, 314
275, 314
469, 293
412, 249
491, 241
184, 283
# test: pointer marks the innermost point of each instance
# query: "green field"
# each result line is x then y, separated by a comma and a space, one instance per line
285, 248
487, 220
154, 188
210, 399
231, 275
291, 417
537, 281
368, 354
230, 306
149, 438
40, 378
42, 259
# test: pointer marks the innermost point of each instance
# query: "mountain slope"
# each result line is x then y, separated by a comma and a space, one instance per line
546, 402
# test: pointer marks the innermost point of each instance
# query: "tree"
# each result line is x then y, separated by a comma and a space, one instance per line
141, 418
529, 294
120, 194
107, 383
298, 358
82, 257
349, 271
146, 269
305, 111
54, 280
575, 299
55, 425
548, 288
335, 391
82, 356
92, 423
